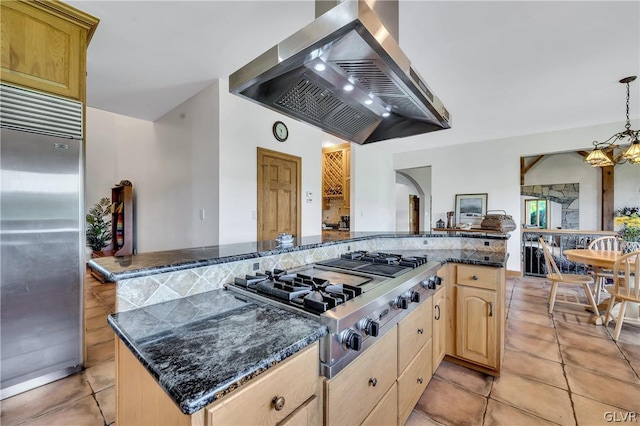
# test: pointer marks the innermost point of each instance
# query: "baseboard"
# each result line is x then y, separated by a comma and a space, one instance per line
514, 274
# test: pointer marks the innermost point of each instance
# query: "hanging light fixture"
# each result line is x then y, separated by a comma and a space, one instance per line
598, 157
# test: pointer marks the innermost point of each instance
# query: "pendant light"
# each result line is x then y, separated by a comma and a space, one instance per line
598, 157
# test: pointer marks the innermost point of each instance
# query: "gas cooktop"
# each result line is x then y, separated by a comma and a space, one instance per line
312, 289
378, 263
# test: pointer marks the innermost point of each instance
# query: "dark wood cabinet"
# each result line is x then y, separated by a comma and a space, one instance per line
122, 221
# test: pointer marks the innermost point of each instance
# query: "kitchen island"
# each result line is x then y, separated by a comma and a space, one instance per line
209, 349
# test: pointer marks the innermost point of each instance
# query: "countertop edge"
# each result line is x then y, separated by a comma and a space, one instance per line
190, 264
194, 404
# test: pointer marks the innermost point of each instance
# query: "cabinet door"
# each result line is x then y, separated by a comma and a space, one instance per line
42, 51
439, 333
477, 325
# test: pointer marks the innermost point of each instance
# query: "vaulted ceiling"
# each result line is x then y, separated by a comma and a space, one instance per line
503, 68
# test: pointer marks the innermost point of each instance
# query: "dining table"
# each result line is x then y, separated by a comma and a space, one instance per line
599, 260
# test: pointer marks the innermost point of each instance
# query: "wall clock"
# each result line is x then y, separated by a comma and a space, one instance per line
280, 131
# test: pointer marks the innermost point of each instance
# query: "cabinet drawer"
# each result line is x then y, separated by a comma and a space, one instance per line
377, 365
413, 382
296, 380
478, 276
386, 412
413, 332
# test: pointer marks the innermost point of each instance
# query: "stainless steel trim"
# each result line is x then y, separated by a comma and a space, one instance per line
37, 112
34, 383
353, 45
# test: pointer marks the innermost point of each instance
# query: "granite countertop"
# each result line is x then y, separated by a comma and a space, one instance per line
470, 257
125, 267
202, 347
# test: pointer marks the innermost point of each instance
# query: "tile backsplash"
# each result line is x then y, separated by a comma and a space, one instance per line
148, 290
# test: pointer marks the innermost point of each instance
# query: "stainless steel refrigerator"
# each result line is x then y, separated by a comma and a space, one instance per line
42, 239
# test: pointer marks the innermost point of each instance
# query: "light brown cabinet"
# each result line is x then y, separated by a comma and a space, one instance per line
290, 389
44, 46
414, 357
413, 381
439, 333
369, 377
477, 325
479, 317
290, 393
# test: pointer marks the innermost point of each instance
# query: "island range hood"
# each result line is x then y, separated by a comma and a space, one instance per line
345, 74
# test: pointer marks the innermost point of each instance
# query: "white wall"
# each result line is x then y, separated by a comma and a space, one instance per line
372, 189
494, 167
172, 164
244, 126
404, 187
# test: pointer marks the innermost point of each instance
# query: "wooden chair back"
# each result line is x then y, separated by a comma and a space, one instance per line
610, 243
550, 263
626, 277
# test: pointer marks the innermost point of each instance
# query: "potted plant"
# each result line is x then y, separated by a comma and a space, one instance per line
99, 226
629, 218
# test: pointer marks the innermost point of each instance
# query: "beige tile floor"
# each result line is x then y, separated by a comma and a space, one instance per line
558, 369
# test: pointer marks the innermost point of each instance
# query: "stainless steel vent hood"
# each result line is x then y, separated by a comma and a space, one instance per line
345, 74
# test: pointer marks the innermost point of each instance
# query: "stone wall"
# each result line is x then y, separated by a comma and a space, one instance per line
566, 194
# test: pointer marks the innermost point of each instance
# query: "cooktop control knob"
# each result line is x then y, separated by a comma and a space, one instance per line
351, 339
438, 280
370, 327
429, 283
415, 296
401, 302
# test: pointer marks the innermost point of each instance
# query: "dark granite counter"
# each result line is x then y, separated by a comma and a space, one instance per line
469, 257
201, 347
125, 267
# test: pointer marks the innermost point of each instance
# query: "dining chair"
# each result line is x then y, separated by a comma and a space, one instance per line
609, 243
556, 277
625, 288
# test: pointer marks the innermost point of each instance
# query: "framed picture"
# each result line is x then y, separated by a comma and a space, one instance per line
470, 208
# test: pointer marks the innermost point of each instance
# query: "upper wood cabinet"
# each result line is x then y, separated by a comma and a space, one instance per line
44, 46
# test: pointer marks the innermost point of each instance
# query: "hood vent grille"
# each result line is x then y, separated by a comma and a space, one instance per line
371, 77
307, 99
344, 73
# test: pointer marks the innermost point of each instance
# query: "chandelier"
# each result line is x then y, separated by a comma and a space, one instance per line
598, 157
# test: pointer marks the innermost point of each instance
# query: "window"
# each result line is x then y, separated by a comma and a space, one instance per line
536, 213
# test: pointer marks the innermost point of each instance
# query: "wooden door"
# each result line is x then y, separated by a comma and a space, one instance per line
279, 177
414, 213
476, 325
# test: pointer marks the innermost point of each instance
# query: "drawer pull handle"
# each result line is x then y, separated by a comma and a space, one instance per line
420, 380
437, 317
490, 309
373, 381
278, 402
475, 278
420, 330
